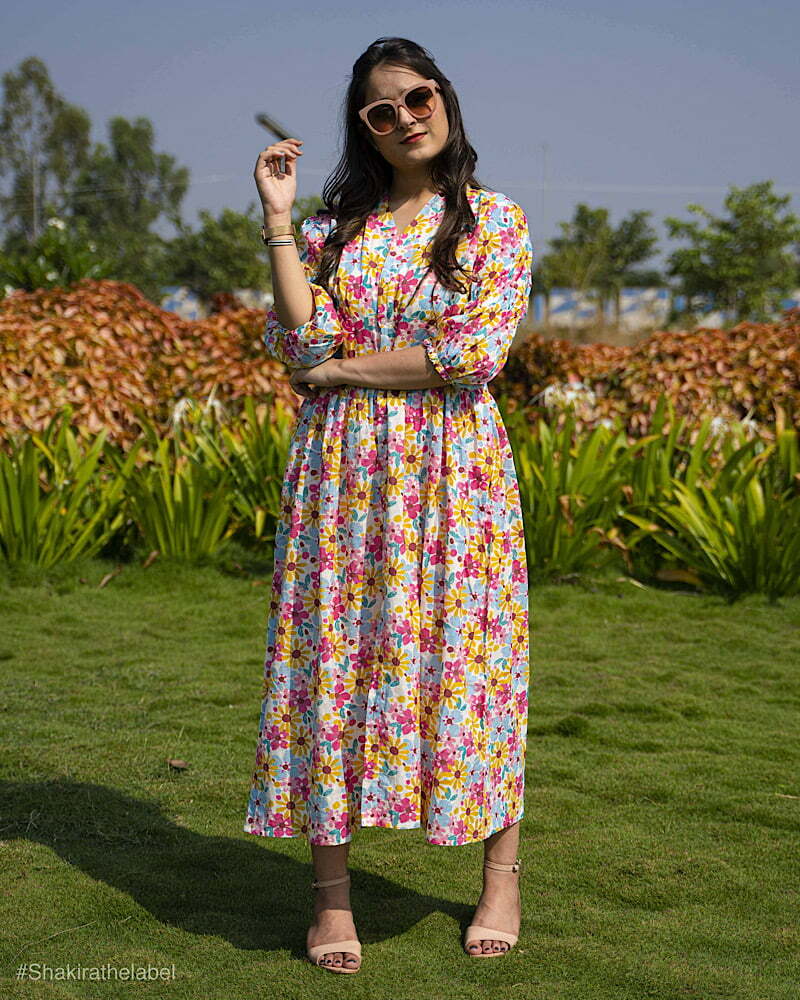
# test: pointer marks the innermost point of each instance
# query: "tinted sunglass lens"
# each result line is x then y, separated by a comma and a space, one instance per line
382, 118
420, 101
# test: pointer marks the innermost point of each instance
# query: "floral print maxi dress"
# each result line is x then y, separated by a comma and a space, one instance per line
396, 677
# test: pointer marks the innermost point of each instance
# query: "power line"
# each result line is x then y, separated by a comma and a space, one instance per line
641, 188
544, 186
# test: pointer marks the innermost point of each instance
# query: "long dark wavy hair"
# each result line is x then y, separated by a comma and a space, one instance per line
362, 174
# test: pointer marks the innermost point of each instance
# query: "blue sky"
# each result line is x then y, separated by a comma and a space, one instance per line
626, 105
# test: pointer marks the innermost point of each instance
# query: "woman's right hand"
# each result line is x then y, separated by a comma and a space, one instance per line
277, 189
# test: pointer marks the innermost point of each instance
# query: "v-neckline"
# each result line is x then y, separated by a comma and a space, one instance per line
385, 212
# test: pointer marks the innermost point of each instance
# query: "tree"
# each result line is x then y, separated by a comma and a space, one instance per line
57, 258
304, 207
743, 261
122, 190
43, 144
596, 259
224, 254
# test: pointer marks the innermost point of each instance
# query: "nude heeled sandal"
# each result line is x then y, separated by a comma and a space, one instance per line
475, 933
315, 952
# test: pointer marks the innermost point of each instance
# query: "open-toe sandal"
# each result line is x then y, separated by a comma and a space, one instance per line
475, 933
315, 952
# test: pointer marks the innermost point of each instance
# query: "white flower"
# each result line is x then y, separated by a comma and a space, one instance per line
92, 247
561, 394
57, 223
214, 404
183, 406
51, 275
719, 425
579, 392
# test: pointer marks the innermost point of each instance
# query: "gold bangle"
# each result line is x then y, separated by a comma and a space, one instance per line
285, 229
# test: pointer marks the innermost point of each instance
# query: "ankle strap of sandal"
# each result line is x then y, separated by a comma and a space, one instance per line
513, 867
316, 884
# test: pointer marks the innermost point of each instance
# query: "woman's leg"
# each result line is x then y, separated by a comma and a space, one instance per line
333, 917
500, 904
502, 846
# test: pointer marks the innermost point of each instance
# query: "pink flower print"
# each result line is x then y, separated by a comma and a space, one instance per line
403, 630
353, 573
281, 825
299, 614
412, 503
295, 525
406, 283
374, 548
276, 734
353, 288
371, 462
340, 693
477, 479
427, 640
333, 736
436, 552
325, 648
458, 829
444, 758
406, 810
477, 703
407, 720
341, 825
415, 418
472, 566
337, 607
453, 670
298, 695
394, 535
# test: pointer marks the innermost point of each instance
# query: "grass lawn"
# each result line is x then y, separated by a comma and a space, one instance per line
660, 838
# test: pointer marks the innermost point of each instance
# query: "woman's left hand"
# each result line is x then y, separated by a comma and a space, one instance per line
308, 381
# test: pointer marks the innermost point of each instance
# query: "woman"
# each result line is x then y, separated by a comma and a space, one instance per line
396, 675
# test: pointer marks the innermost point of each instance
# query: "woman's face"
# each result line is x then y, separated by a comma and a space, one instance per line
391, 81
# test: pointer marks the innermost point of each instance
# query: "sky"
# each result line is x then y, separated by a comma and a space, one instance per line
627, 105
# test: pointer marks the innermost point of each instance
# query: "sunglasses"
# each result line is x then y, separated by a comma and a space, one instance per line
419, 101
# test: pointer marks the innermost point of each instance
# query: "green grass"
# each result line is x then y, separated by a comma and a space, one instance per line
660, 836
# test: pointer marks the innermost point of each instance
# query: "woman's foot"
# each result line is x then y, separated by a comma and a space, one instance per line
333, 921
500, 906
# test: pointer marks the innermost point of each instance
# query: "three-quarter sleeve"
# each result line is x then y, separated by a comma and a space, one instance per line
471, 344
319, 338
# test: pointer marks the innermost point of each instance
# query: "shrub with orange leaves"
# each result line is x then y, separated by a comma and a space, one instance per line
741, 373
104, 348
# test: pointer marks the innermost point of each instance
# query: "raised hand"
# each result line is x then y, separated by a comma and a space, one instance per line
277, 185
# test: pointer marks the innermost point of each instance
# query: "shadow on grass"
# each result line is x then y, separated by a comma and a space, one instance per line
240, 890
